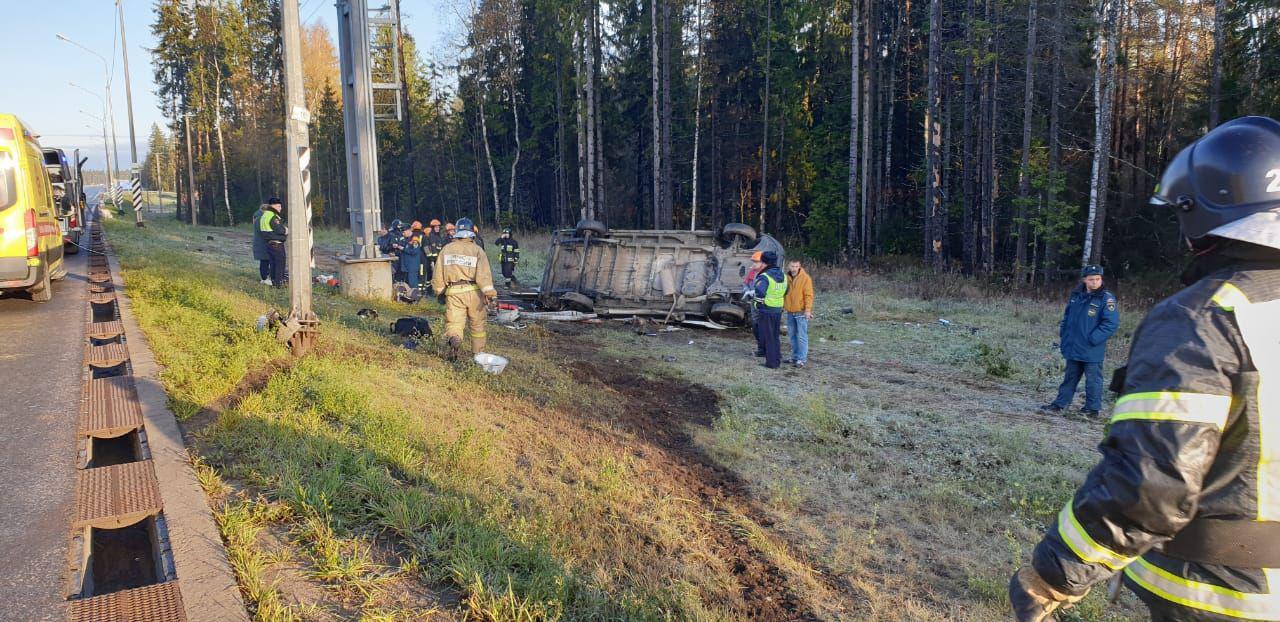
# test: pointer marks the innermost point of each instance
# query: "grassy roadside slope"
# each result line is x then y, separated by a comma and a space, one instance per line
370, 481
610, 475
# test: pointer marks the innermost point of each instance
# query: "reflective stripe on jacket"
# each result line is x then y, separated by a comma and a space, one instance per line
1196, 435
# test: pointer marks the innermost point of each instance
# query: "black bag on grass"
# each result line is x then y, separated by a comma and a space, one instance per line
412, 327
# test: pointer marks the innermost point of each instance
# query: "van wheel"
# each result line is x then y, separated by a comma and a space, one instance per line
42, 291
577, 302
738, 231
596, 228
727, 313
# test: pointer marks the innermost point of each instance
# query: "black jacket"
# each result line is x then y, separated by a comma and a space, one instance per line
1185, 444
509, 250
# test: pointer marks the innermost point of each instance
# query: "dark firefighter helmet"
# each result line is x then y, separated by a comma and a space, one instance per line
1227, 183
396, 225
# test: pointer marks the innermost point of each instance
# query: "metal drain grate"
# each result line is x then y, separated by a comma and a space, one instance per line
161, 602
104, 330
102, 298
110, 408
116, 496
100, 288
99, 277
106, 355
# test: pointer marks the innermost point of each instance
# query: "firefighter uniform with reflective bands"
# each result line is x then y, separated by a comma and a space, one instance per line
1185, 503
509, 256
462, 274
1202, 403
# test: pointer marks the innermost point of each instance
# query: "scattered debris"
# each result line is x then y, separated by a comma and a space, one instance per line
507, 316
267, 320
208, 237
857, 342
847, 310
410, 344
491, 363
667, 358
944, 322
559, 316
367, 314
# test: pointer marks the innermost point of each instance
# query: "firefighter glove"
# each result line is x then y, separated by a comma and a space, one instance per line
1033, 600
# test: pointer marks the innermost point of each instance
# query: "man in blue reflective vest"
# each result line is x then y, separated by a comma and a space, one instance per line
769, 288
1091, 317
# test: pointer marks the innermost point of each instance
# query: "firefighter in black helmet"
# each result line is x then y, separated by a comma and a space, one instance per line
509, 256
1186, 500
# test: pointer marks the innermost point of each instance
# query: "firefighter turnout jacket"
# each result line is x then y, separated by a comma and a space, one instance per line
1186, 499
509, 250
462, 266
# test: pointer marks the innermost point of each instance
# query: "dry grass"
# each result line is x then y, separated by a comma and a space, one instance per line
893, 480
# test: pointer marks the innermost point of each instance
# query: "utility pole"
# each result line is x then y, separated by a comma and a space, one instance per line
135, 174
299, 328
366, 272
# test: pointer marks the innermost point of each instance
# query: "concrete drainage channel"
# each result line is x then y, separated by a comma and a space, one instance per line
143, 545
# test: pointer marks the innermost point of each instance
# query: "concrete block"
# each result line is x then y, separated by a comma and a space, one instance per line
366, 278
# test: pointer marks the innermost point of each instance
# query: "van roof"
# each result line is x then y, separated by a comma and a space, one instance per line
12, 121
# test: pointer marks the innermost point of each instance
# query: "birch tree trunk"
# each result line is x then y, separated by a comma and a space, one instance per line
697, 124
1024, 171
1103, 92
222, 151
853, 241
933, 140
488, 156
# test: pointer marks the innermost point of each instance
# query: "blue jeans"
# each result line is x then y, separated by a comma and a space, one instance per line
798, 331
1092, 373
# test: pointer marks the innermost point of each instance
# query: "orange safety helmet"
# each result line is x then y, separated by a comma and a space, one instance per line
449, 227
757, 256
416, 226
434, 223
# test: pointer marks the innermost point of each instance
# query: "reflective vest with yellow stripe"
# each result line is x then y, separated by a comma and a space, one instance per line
776, 292
1197, 428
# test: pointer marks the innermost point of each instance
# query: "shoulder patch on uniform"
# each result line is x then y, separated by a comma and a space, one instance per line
461, 260
1111, 305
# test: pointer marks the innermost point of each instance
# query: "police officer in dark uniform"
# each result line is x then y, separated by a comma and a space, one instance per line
1091, 317
509, 256
1185, 504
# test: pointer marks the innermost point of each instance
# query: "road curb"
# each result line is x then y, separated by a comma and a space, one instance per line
209, 590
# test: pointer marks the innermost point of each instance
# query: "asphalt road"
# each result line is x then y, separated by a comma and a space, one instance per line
41, 357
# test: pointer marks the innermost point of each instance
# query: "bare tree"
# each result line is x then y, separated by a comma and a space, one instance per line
1103, 94
1215, 83
853, 242
933, 141
1024, 171
697, 122
764, 142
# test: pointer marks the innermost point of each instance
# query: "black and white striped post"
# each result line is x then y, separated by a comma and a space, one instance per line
136, 189
299, 329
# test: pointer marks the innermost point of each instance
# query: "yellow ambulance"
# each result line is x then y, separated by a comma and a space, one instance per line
31, 252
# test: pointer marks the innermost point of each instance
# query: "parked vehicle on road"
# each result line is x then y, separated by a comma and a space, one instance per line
676, 275
31, 248
64, 177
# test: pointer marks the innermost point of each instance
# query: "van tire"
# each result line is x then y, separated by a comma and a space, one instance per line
727, 313
596, 228
577, 302
738, 231
42, 291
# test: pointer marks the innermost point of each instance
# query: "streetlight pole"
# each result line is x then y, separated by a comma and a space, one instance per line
106, 151
135, 175
110, 112
299, 329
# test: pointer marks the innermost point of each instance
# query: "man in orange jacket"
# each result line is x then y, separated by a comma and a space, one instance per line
798, 305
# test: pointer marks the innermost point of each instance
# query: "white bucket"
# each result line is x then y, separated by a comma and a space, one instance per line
491, 363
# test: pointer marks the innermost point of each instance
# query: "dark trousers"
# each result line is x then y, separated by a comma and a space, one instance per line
767, 338
508, 270
264, 269
276, 250
1092, 373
